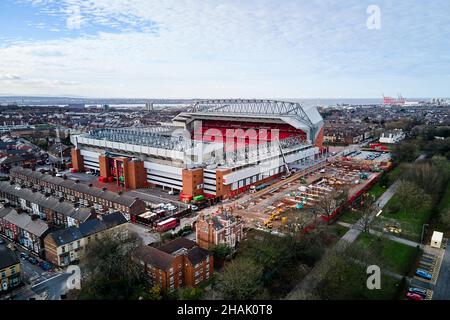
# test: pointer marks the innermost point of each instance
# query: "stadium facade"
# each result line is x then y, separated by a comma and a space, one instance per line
217, 148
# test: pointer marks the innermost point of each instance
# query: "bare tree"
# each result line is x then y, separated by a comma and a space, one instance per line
367, 211
411, 196
328, 203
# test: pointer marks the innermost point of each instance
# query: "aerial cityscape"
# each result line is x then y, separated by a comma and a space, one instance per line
210, 151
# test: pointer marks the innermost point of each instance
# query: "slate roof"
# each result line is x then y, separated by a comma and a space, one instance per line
87, 228
68, 235
80, 187
53, 203
24, 221
197, 255
177, 244
154, 257
7, 257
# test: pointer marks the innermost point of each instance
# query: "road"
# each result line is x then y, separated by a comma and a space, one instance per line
54, 287
442, 287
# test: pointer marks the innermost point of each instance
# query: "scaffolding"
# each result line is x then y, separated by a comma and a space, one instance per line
163, 137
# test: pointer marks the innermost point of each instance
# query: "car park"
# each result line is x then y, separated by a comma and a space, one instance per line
423, 274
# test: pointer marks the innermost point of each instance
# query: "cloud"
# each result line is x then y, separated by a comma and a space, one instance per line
248, 48
74, 18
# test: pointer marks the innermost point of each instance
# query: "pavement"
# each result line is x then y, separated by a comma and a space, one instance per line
356, 229
147, 236
385, 235
442, 287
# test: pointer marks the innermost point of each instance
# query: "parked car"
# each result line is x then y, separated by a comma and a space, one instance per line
33, 260
422, 292
46, 266
414, 296
12, 247
24, 255
423, 274
194, 207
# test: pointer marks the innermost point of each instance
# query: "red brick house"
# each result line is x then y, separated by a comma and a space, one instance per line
177, 264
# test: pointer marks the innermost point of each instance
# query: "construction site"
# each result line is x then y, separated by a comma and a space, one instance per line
307, 197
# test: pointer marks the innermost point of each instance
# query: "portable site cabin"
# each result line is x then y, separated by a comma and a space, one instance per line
436, 239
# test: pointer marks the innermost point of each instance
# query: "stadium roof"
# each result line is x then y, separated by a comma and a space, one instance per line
293, 113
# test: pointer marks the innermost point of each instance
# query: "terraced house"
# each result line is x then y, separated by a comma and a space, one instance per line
9, 269
65, 246
24, 229
85, 194
55, 211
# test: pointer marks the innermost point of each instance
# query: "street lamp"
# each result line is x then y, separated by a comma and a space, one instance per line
423, 231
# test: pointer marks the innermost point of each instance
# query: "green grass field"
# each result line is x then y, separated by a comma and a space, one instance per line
350, 216
410, 223
394, 256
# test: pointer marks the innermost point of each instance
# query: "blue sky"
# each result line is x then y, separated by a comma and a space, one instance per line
224, 48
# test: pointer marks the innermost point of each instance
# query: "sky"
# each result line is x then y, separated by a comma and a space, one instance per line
225, 48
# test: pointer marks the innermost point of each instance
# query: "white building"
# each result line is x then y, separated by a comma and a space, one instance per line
392, 136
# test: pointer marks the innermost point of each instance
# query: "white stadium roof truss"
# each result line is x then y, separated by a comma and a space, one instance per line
294, 113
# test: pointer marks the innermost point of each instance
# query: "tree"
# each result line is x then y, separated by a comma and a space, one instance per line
367, 210
411, 197
109, 273
221, 251
431, 176
153, 293
405, 151
190, 294
328, 203
241, 280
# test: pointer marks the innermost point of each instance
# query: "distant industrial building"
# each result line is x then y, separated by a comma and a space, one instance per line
231, 145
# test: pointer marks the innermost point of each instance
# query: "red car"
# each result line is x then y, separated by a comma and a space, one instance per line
414, 296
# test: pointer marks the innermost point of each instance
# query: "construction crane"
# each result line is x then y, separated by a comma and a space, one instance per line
288, 172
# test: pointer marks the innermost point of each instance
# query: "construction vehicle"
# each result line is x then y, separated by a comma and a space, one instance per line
364, 175
268, 224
